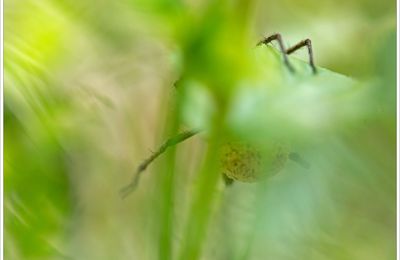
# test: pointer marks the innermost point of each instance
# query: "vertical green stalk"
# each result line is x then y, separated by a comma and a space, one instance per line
166, 200
201, 208
166, 206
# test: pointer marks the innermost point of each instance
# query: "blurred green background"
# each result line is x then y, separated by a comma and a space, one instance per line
89, 95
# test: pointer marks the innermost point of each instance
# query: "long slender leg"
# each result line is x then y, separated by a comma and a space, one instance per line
142, 167
277, 37
306, 42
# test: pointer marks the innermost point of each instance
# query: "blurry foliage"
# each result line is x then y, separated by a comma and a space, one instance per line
89, 85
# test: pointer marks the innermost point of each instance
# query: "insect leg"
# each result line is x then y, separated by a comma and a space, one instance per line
277, 37
298, 159
125, 191
228, 181
306, 42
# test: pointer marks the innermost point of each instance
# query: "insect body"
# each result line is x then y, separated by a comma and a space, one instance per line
245, 163
239, 161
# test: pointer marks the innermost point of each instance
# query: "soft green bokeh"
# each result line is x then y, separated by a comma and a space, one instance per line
93, 87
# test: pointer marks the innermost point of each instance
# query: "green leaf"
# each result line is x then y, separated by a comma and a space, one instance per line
273, 102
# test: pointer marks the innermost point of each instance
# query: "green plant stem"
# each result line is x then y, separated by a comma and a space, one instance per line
201, 208
166, 205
